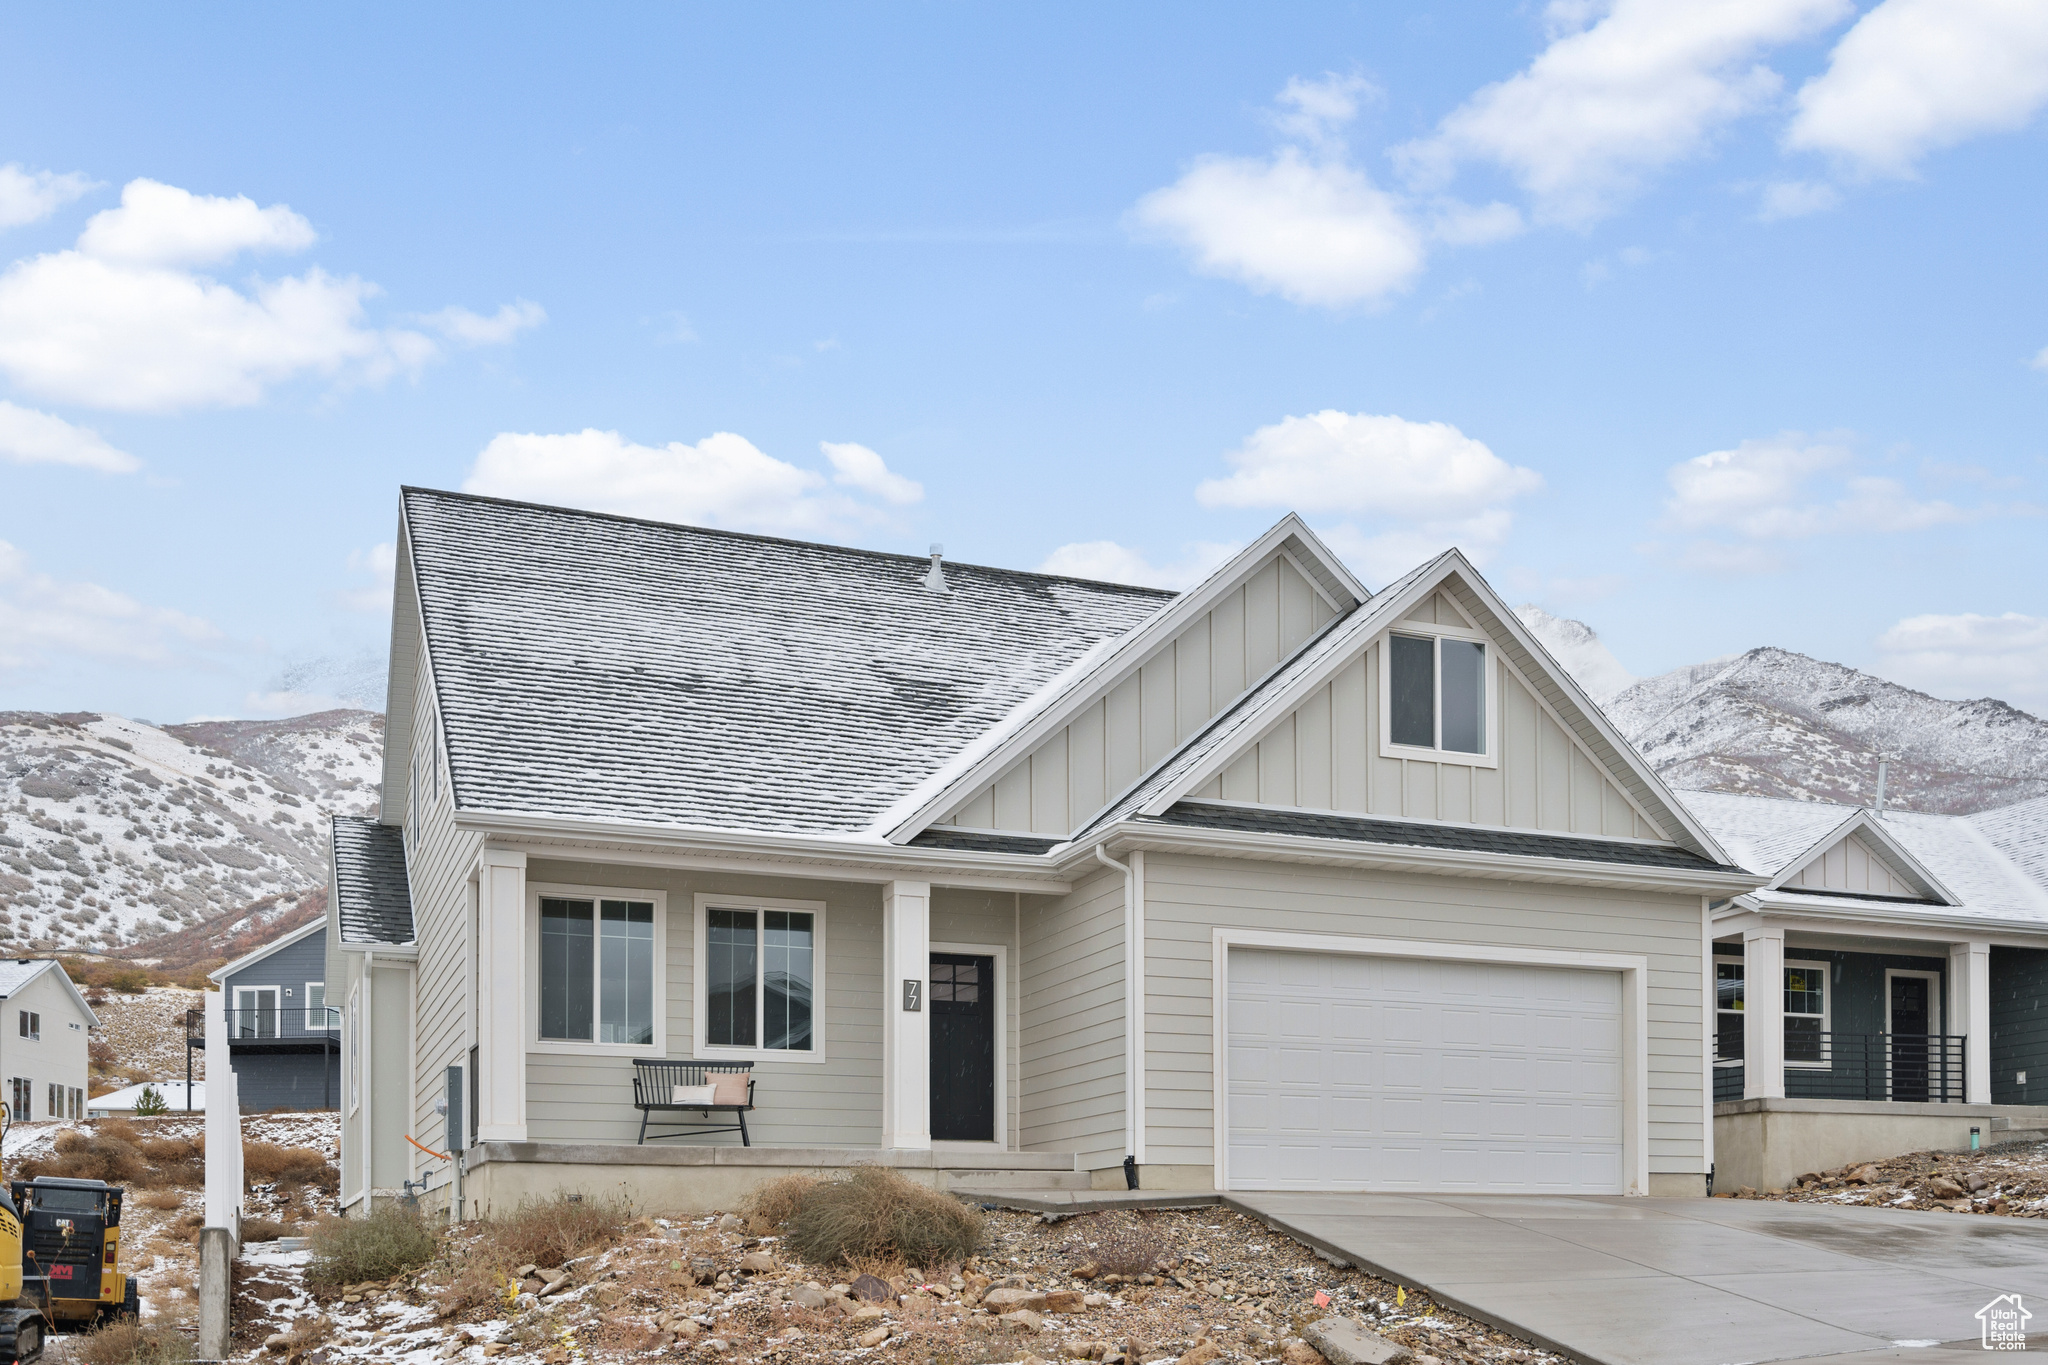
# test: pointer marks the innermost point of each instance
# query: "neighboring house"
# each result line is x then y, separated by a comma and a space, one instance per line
45, 1029
284, 1038
1270, 884
123, 1101
1912, 951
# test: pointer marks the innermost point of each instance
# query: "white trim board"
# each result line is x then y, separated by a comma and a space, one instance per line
1634, 969
1001, 1142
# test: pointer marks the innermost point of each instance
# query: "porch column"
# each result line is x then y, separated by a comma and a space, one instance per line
1969, 1014
501, 997
1763, 1013
906, 1028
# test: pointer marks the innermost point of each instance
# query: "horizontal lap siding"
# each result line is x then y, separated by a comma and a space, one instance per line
1185, 898
836, 1102
1071, 1041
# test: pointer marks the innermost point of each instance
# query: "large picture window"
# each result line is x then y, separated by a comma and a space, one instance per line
599, 969
1438, 696
759, 990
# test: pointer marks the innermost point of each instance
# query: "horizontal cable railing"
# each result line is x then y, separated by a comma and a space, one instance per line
1905, 1068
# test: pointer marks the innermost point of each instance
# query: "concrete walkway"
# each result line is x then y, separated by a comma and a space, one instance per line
1613, 1281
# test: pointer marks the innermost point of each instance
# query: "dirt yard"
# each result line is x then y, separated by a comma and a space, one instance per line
2008, 1181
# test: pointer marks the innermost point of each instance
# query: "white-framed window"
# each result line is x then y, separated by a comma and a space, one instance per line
1806, 1012
1439, 695
759, 979
258, 1013
56, 1101
31, 1025
77, 1103
21, 1095
316, 1005
355, 1049
598, 981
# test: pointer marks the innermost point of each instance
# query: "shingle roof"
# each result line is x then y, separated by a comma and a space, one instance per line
15, 974
603, 667
1464, 838
372, 897
974, 841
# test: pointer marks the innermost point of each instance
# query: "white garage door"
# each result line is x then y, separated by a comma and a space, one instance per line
1349, 1072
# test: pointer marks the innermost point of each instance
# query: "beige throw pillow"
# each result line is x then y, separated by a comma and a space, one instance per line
732, 1086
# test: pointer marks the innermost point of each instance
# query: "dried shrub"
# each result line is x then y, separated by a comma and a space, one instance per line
550, 1231
1124, 1244
89, 1156
267, 1163
163, 1201
390, 1241
775, 1202
131, 1343
874, 1212
101, 1054
262, 1230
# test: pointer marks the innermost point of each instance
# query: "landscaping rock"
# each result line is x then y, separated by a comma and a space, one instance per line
1941, 1187
1344, 1342
1201, 1353
874, 1338
1024, 1320
808, 1296
1301, 1353
757, 1263
1009, 1300
872, 1289
1064, 1301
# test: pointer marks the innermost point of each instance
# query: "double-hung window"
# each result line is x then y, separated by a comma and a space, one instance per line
1438, 703
598, 955
1806, 1012
316, 1006
758, 989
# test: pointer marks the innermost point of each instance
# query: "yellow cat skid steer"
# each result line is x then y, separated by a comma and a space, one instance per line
24, 1299
72, 1239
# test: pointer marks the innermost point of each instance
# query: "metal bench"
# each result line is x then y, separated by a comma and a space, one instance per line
654, 1087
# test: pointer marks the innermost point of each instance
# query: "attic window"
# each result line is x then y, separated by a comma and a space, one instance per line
1437, 697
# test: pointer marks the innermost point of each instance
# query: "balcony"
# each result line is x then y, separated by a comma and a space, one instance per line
1904, 1068
269, 1029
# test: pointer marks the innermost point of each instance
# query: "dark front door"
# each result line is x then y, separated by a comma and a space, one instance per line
1912, 1013
963, 1007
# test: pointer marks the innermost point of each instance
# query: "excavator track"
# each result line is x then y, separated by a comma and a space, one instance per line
22, 1333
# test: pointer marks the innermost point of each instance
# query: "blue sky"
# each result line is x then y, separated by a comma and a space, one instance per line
1714, 324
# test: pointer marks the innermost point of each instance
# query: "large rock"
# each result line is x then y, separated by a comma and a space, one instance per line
1001, 1301
1064, 1301
1344, 1342
808, 1296
1024, 1320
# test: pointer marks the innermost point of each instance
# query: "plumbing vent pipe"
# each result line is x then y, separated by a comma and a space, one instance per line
935, 578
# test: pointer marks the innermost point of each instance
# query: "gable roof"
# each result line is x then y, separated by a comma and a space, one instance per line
1863, 824
601, 667
372, 898
16, 973
1213, 748
256, 955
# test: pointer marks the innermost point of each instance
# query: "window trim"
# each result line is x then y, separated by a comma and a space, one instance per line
31, 1025
276, 1011
352, 1043
1490, 675
700, 1008
1826, 1015
312, 1027
569, 1046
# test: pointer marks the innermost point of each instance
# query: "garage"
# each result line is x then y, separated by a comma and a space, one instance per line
1358, 1071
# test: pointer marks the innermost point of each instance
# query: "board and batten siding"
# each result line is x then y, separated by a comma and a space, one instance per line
1074, 772
1852, 865
1186, 898
1073, 1017
1325, 755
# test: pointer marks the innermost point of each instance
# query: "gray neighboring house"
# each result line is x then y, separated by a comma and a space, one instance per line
284, 1038
1275, 883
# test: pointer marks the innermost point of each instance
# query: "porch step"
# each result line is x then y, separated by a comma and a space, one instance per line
1016, 1180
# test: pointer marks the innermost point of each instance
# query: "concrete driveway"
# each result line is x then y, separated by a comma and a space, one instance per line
1614, 1281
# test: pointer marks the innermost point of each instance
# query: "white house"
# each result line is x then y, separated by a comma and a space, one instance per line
45, 1027
1272, 884
123, 1101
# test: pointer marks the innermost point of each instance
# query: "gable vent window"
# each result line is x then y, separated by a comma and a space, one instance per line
1437, 693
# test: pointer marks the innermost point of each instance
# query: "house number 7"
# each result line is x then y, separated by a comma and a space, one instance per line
913, 996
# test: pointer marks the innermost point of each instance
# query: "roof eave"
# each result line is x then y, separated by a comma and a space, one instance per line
1763, 903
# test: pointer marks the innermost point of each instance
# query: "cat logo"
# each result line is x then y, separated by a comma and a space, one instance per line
65, 1225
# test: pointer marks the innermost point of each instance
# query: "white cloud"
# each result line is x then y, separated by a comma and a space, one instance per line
160, 224
26, 196
1475, 225
380, 562
31, 437
722, 480
1603, 106
1437, 485
1315, 111
1764, 489
1968, 655
2040, 362
475, 329
1796, 199
41, 616
1916, 75
857, 467
119, 321
1105, 561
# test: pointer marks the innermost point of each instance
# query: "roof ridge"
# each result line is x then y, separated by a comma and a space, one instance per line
758, 538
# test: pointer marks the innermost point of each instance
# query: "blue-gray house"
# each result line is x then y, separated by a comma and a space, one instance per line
284, 1039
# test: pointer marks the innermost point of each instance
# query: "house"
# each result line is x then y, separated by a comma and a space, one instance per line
116, 1103
1913, 955
45, 1029
283, 1038
986, 875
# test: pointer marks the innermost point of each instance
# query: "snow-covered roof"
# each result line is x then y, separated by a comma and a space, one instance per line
372, 898
602, 667
1994, 863
173, 1092
16, 973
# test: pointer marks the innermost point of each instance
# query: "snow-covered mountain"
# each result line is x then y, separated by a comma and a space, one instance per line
1774, 723
115, 831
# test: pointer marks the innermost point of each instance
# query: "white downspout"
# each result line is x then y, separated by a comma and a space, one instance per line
1134, 999
363, 1064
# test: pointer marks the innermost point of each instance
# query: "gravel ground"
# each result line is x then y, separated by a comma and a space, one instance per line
2008, 1181
1236, 1291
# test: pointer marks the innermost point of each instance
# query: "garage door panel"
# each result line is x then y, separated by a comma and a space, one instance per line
1354, 1072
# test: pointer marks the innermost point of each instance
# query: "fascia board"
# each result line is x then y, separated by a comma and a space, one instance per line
1861, 822
871, 858
1263, 847
254, 956
1588, 708
904, 821
406, 954
1948, 926
408, 636
1382, 611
